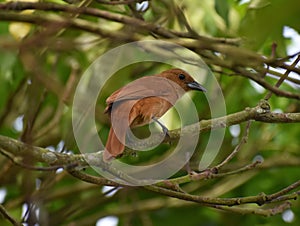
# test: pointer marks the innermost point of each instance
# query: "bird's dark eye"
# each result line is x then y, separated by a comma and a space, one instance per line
181, 76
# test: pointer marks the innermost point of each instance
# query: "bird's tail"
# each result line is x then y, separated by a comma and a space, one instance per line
114, 146
121, 119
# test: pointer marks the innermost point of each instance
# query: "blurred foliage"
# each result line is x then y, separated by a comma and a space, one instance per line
39, 71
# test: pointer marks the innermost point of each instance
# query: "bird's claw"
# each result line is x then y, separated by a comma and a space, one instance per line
164, 128
166, 132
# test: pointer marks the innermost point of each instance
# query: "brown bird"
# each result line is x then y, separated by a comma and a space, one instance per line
143, 101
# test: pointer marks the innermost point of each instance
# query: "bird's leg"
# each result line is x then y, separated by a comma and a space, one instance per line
164, 128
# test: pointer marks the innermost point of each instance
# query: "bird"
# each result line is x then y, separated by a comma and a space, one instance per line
143, 101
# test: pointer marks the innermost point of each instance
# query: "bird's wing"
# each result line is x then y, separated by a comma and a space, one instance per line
148, 86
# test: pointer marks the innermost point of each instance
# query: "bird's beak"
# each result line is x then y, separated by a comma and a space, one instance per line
196, 86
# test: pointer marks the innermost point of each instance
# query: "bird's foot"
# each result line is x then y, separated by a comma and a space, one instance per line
164, 128
166, 132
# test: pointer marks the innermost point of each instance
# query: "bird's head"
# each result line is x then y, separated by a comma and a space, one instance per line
183, 79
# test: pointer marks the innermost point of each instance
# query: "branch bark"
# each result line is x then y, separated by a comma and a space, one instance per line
16, 150
6, 215
218, 52
232, 57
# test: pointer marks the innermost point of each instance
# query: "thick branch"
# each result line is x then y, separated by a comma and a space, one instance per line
259, 113
16, 150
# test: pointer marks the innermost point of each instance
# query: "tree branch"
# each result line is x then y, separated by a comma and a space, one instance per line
5, 214
217, 52
122, 2
262, 212
157, 29
16, 150
282, 78
233, 58
260, 199
63, 22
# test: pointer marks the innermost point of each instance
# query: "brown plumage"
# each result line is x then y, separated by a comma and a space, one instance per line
141, 101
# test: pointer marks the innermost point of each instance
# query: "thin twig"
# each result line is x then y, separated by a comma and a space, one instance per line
259, 199
284, 191
282, 78
143, 25
9, 104
124, 2
237, 148
59, 109
209, 174
256, 78
92, 179
257, 211
7, 216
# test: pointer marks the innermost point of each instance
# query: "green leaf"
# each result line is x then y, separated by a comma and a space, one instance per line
264, 22
222, 8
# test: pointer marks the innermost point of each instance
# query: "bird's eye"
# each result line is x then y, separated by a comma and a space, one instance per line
181, 76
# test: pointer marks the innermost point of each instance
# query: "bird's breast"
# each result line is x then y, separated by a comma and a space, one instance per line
148, 108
